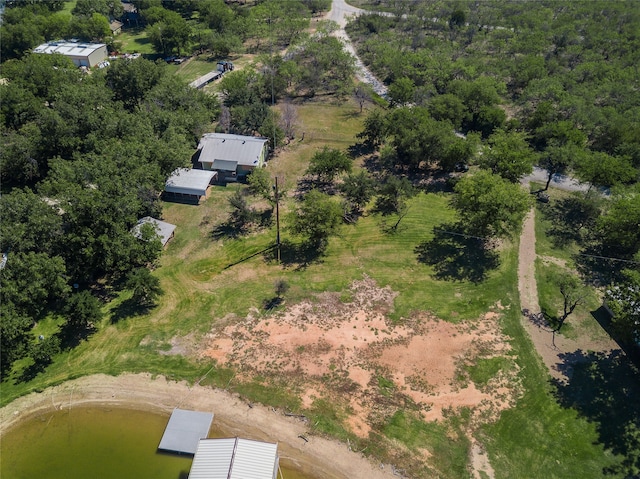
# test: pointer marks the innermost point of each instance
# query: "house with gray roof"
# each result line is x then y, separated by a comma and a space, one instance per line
232, 156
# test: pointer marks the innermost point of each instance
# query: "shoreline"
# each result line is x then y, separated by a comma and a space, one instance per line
319, 457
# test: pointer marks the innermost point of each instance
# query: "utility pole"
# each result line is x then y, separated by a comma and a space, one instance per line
277, 219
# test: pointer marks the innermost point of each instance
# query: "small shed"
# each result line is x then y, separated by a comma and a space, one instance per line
116, 27
235, 458
164, 230
189, 184
232, 156
184, 431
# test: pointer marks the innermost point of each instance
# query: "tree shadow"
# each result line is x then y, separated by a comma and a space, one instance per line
128, 309
70, 336
570, 218
457, 257
604, 388
297, 255
272, 303
360, 149
594, 261
229, 229
537, 319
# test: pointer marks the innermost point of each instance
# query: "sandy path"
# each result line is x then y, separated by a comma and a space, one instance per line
549, 349
319, 457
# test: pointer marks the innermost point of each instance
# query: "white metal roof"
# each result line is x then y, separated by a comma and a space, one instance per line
184, 430
69, 48
234, 458
163, 230
246, 150
189, 181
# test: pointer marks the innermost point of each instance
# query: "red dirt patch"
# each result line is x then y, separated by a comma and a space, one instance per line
353, 352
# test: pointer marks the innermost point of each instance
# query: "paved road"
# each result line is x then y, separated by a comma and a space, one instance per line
340, 13
562, 182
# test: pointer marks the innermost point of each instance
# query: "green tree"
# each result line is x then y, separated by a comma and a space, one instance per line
489, 206
558, 159
508, 155
242, 215
623, 300
94, 28
573, 294
316, 218
14, 337
358, 189
402, 91
144, 286
30, 223
261, 184
240, 88
603, 170
618, 228
375, 128
171, 33
392, 198
106, 8
83, 312
448, 107
17, 39
32, 282
131, 80
328, 163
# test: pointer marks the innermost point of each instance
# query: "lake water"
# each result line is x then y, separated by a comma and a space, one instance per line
96, 443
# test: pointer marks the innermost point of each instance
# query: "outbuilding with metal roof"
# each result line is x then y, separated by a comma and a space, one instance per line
189, 184
235, 458
81, 54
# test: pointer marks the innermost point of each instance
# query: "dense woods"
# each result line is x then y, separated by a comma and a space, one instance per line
86, 155
554, 85
83, 158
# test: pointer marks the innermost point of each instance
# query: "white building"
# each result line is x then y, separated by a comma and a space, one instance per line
81, 54
235, 458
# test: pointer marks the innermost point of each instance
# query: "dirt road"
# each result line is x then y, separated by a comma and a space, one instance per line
340, 13
550, 349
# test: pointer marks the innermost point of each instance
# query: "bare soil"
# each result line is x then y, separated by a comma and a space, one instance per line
354, 356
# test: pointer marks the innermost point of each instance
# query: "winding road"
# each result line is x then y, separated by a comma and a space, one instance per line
340, 13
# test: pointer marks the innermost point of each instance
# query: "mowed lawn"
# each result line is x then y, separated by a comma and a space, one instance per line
207, 280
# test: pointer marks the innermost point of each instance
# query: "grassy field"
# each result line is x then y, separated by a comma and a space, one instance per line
207, 281
135, 40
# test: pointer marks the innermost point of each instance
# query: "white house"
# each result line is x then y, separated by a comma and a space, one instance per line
232, 156
189, 184
82, 54
235, 458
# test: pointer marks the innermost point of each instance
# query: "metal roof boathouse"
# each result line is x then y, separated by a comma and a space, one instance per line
184, 430
235, 458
